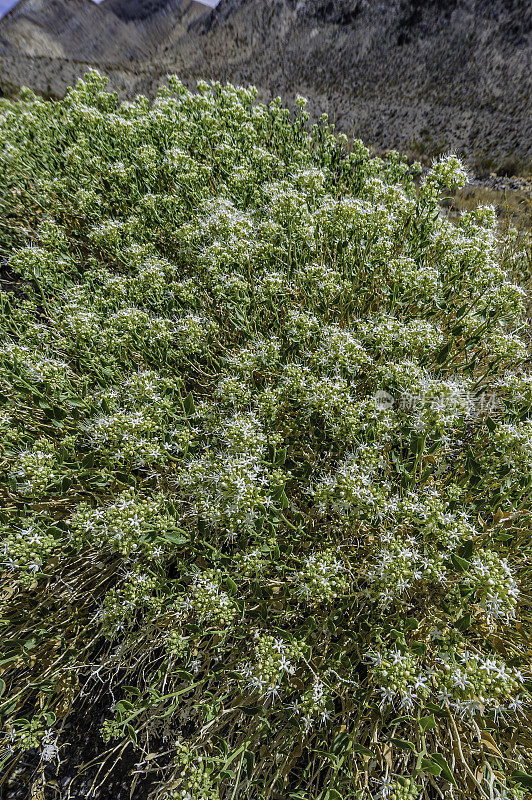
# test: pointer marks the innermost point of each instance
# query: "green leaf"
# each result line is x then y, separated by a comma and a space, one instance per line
280, 457
426, 723
188, 404
339, 742
460, 564
403, 744
417, 442
466, 550
465, 590
444, 352
59, 413
399, 466
234, 755
2, 687
522, 777
55, 531
124, 705
473, 466
491, 424
249, 758
434, 446
9, 659
132, 733
176, 537
426, 473
445, 769
427, 765
88, 461
250, 711
359, 748
464, 622
277, 492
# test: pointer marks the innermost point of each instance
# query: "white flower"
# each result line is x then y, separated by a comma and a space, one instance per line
499, 714
460, 679
397, 657
489, 665
516, 705
408, 699
468, 708
50, 749
285, 665
387, 695
420, 682
443, 696
386, 787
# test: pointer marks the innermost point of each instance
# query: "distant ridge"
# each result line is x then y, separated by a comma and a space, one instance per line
427, 75
111, 32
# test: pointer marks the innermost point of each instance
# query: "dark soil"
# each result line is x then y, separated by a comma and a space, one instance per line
72, 777
10, 282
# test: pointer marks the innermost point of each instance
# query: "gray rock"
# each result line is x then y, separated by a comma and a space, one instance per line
423, 75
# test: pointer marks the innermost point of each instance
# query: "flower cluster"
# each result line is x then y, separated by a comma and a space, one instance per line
35, 367
314, 706
129, 525
195, 774
27, 736
447, 171
120, 605
399, 789
275, 660
321, 579
341, 349
228, 490
36, 468
209, 601
496, 587
386, 335
471, 683
399, 563
251, 562
27, 548
177, 644
352, 488
399, 678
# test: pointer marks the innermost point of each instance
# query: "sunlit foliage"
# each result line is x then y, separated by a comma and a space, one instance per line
266, 456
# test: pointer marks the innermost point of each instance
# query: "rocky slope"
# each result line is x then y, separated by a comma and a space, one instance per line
419, 74
442, 73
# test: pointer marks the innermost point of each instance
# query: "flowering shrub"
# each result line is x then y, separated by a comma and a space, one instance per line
255, 501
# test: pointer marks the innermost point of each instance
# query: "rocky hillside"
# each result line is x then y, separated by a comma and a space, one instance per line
424, 75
